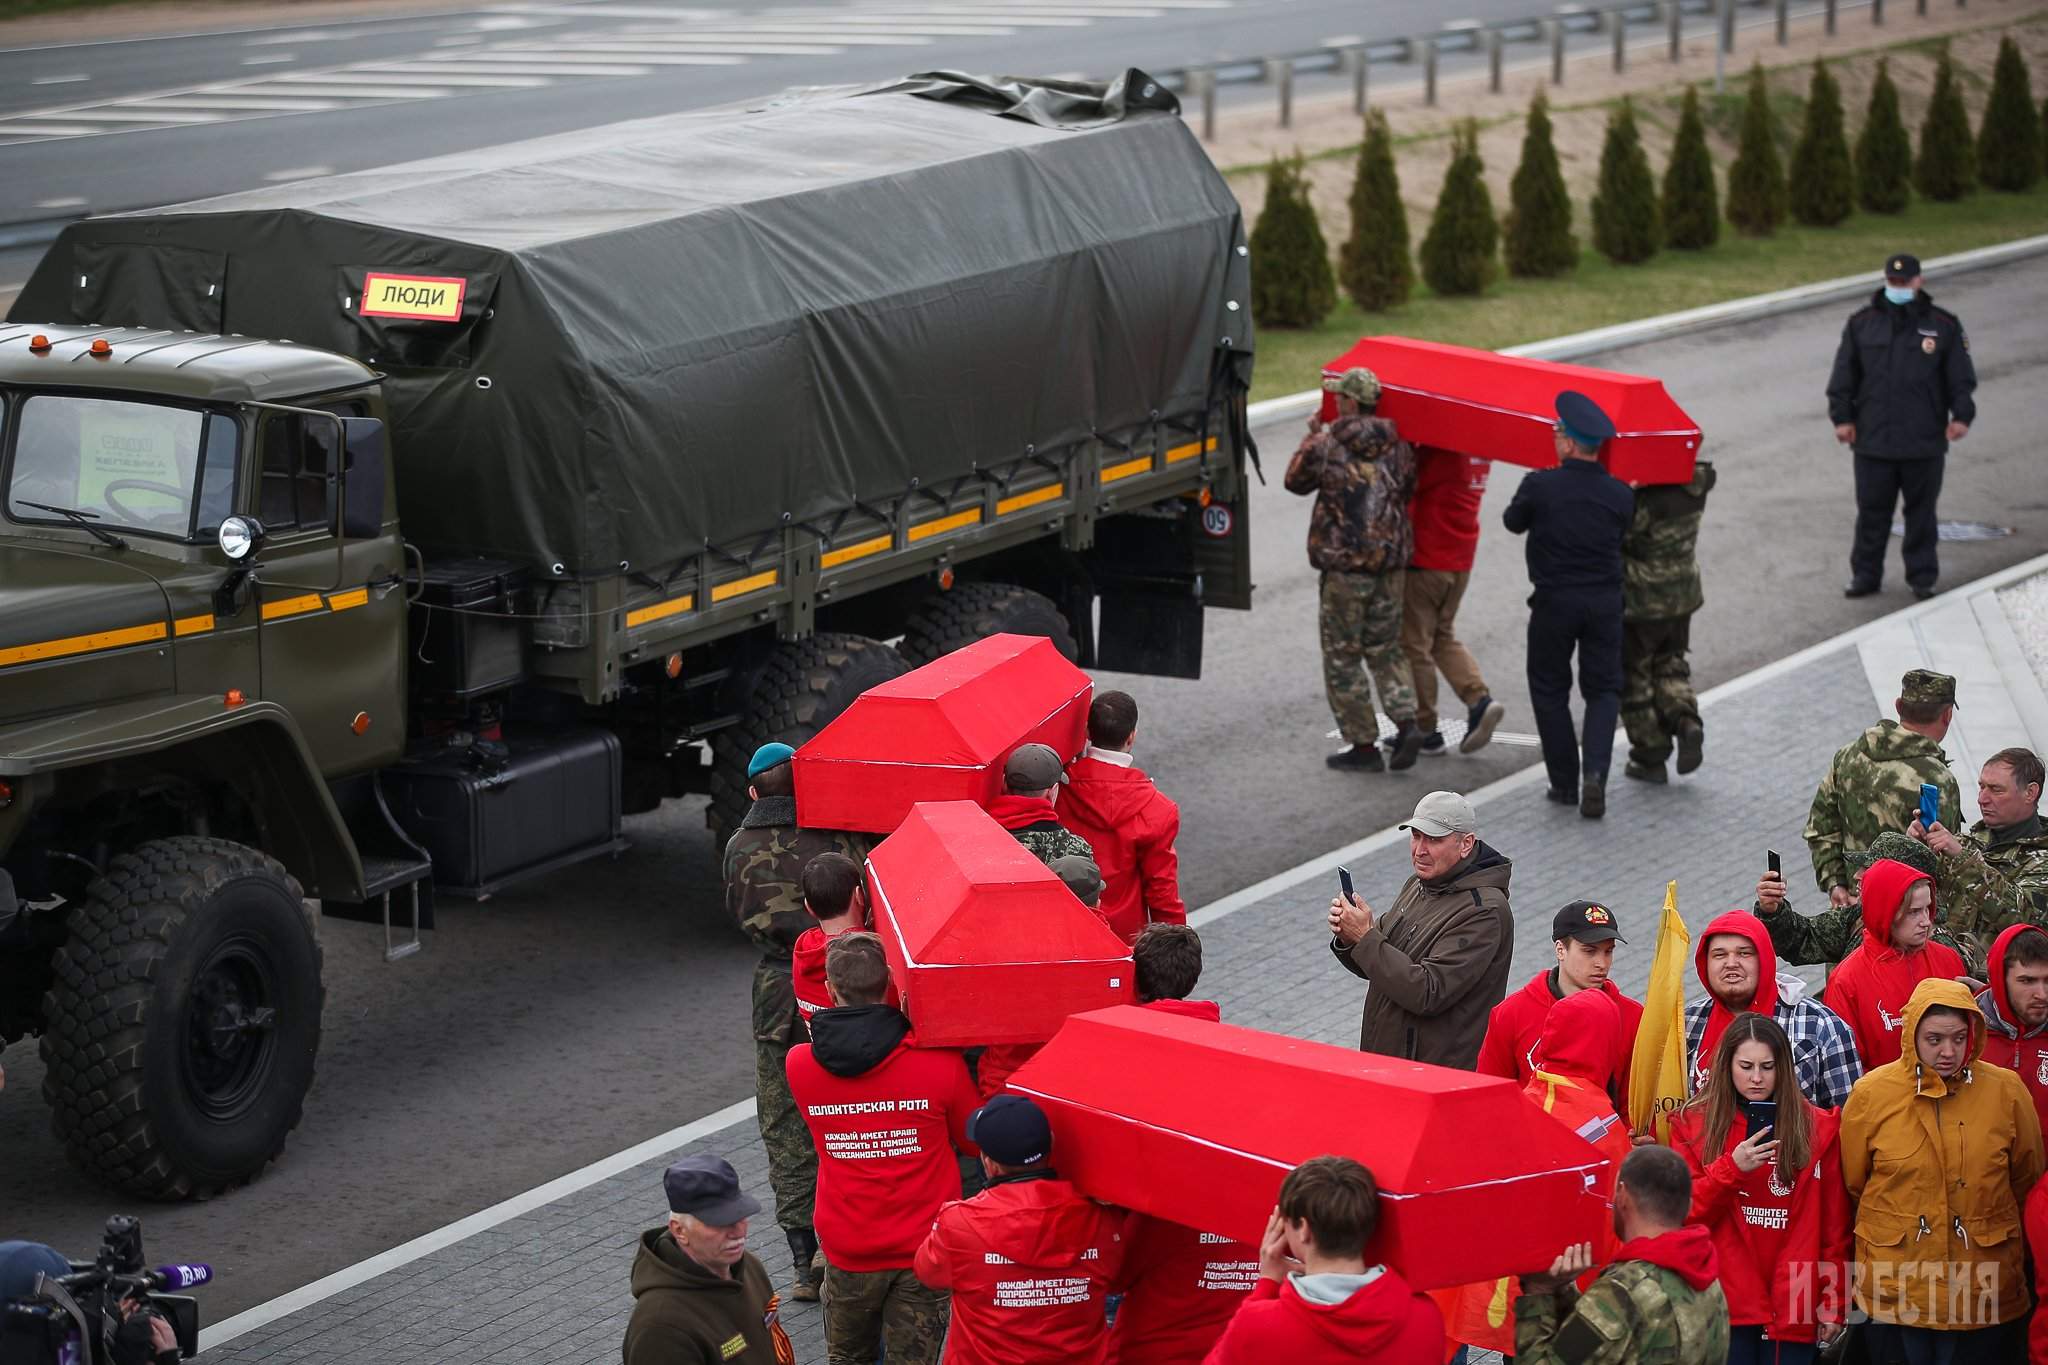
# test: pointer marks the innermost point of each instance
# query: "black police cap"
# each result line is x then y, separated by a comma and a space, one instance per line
1583, 420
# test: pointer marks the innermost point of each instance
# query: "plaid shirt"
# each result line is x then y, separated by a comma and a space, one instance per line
1823, 1049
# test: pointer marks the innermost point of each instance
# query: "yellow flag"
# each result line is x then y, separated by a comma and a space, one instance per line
1657, 1079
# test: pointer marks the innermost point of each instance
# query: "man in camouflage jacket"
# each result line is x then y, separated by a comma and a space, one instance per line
1996, 875
1660, 591
1873, 784
1828, 937
1658, 1303
764, 868
1362, 474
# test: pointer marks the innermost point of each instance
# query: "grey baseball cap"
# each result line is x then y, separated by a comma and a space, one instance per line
1032, 768
1441, 813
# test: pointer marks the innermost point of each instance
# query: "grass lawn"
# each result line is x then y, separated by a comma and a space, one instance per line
1598, 294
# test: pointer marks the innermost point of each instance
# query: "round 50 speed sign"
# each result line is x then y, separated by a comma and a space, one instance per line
1217, 520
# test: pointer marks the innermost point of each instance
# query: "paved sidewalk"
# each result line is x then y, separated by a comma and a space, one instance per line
551, 1285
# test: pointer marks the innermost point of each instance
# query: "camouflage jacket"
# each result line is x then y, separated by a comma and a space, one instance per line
1660, 573
1874, 785
1362, 474
1828, 937
1634, 1314
764, 865
1994, 884
1049, 841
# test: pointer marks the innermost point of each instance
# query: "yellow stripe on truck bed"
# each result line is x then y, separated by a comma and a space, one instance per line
744, 585
660, 611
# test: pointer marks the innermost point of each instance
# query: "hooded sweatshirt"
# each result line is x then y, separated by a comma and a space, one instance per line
1132, 826
1333, 1320
1939, 1170
1870, 989
2007, 1041
683, 1314
1823, 1048
1029, 1262
1515, 1025
1574, 1066
807, 974
885, 1116
1772, 1228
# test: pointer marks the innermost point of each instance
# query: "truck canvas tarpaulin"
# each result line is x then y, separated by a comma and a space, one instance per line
941, 733
985, 944
1500, 407
1199, 1123
609, 349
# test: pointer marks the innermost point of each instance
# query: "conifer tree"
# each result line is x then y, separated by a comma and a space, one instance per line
1458, 252
1822, 188
1692, 206
1884, 154
2009, 140
1539, 239
1626, 229
1292, 283
1946, 169
1756, 182
1374, 263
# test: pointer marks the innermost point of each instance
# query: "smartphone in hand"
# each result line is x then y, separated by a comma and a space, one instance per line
1774, 863
1344, 881
1930, 805
1761, 1114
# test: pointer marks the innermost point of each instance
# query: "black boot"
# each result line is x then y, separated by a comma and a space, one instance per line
1363, 758
1689, 742
1593, 798
807, 1270
1406, 744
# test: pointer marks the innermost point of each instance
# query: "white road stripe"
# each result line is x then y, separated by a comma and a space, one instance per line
271, 60
69, 201
628, 51
797, 32
442, 76
298, 173
581, 64
447, 67
122, 113
365, 93
236, 103
48, 130
58, 80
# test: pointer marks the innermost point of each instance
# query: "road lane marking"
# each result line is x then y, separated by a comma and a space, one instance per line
58, 80
270, 60
369, 94
398, 75
298, 173
69, 201
237, 103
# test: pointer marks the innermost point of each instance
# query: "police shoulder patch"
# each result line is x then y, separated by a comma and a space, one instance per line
734, 1347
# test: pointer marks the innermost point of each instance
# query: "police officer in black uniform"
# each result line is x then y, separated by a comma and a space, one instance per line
1900, 392
1576, 516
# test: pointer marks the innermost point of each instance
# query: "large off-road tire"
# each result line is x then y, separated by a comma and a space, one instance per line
795, 693
975, 611
181, 1027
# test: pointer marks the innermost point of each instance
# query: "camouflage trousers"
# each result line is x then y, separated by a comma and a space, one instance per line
792, 1161
1657, 700
1360, 620
865, 1309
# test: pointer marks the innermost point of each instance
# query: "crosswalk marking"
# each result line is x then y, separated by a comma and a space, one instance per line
530, 45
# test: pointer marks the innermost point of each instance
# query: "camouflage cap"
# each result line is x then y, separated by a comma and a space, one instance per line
1355, 383
1082, 877
1900, 848
1925, 685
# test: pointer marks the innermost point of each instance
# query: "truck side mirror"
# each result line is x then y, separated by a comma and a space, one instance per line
362, 507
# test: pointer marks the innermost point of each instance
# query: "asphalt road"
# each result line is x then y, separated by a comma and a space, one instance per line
576, 1016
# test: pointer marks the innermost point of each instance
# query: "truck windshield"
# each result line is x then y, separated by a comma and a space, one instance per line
121, 465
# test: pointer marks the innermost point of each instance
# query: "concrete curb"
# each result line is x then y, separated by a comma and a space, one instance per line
1582, 344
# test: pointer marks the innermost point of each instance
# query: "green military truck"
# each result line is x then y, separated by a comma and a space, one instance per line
395, 534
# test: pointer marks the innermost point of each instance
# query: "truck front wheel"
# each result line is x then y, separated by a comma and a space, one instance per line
181, 1027
975, 611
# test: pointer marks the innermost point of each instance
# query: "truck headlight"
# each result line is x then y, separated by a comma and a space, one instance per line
239, 537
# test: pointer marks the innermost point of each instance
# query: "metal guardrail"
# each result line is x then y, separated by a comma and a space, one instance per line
1354, 60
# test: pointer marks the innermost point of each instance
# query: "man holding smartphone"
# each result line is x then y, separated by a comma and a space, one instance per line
1873, 782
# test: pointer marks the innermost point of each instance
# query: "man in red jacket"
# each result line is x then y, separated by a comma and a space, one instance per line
1870, 989
885, 1116
1445, 513
2015, 1007
833, 893
1127, 820
1029, 1260
1583, 935
1317, 1301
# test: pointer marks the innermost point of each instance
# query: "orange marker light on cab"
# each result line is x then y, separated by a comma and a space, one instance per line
234, 697
100, 347
361, 724
673, 666
39, 343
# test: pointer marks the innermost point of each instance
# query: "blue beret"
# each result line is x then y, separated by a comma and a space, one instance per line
1583, 420
769, 756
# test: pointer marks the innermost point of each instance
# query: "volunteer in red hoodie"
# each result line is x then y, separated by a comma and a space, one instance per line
834, 895
1180, 1285
1029, 1260
1772, 1198
2015, 1007
1870, 989
1738, 967
1445, 514
1127, 820
1584, 934
884, 1115
1318, 1302
1659, 1300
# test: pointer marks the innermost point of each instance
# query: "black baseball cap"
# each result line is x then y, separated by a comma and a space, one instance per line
708, 1189
1012, 1130
1901, 267
1586, 921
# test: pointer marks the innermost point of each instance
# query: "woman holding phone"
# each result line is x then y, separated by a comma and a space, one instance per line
1767, 1185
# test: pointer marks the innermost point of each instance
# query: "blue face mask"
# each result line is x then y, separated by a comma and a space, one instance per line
1899, 293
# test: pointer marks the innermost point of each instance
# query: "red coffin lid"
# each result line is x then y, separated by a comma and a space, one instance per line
1502, 407
985, 943
941, 733
1199, 1122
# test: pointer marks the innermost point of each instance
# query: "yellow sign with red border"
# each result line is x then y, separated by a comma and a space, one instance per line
423, 298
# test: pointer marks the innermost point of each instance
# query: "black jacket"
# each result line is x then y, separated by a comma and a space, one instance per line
1576, 516
1901, 373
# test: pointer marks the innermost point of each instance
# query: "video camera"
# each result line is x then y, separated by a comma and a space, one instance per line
77, 1318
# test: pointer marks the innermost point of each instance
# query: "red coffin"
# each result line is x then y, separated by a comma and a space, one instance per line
1199, 1123
941, 733
985, 943
1502, 407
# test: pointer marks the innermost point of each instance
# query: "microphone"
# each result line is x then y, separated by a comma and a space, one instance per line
179, 1276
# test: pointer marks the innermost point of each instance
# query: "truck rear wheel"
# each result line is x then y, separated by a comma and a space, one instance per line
181, 1027
975, 611
795, 694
